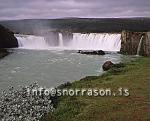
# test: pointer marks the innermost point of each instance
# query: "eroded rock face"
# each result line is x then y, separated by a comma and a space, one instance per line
130, 42
7, 38
107, 65
146, 45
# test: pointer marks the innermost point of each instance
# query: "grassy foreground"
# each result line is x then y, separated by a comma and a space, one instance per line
135, 76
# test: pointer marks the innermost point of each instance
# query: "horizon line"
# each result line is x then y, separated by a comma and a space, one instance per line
76, 18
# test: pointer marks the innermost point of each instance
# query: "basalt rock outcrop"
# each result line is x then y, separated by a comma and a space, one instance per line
3, 53
146, 45
98, 52
130, 43
7, 38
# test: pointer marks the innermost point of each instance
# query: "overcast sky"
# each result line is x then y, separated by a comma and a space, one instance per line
28, 9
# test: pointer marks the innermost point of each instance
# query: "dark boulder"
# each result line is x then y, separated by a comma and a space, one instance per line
98, 52
107, 65
7, 38
94, 53
101, 52
79, 51
3, 53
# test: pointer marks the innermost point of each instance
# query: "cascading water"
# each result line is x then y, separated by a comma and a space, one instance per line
92, 41
31, 42
60, 40
139, 46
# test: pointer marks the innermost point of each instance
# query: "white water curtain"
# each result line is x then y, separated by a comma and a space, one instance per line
92, 41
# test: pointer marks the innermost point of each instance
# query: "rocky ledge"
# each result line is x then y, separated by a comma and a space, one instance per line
7, 38
3, 53
98, 52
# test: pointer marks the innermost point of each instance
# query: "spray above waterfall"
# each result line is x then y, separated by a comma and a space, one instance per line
78, 41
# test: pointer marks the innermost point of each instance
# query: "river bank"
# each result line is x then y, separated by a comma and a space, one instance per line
134, 76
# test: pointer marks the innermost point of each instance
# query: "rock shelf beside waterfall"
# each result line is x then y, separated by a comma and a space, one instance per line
7, 38
3, 53
130, 42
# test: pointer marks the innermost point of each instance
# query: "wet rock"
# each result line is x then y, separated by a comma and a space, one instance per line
107, 65
7, 38
98, 52
101, 52
3, 53
130, 42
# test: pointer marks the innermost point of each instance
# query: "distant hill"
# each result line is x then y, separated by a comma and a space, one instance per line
35, 26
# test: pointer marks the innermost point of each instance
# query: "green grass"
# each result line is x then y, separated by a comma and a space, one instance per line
135, 76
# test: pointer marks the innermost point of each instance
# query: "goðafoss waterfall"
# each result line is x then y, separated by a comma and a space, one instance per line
79, 41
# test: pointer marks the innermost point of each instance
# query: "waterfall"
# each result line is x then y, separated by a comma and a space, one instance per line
139, 46
31, 42
94, 41
60, 40
91, 41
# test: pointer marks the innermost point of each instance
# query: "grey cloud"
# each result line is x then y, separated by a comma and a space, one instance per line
24, 9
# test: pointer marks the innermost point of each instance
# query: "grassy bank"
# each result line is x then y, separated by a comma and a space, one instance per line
135, 76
